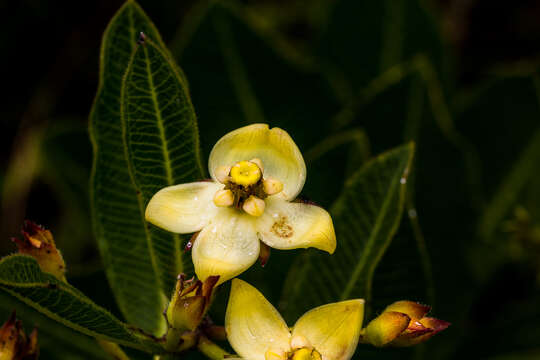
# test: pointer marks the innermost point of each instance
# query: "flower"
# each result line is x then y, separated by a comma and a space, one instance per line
256, 172
256, 330
402, 323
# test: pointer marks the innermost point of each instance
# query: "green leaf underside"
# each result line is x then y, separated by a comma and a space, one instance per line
140, 280
366, 217
22, 277
161, 137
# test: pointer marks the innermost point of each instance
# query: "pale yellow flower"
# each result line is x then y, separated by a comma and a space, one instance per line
256, 172
256, 330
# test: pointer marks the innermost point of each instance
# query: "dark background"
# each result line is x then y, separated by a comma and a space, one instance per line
296, 65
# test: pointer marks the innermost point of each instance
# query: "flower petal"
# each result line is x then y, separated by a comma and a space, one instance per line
227, 246
332, 329
279, 154
252, 324
184, 208
286, 225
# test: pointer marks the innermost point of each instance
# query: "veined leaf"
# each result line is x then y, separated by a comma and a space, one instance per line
54, 337
139, 278
366, 216
22, 277
162, 144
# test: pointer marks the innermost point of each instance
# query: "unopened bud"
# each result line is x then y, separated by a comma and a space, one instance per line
254, 206
189, 302
39, 243
222, 174
224, 198
402, 323
272, 186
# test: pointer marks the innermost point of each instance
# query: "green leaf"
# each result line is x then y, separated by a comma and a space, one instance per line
161, 137
55, 340
366, 216
140, 279
22, 277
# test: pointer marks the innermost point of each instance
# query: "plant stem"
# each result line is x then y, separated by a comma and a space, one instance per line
210, 349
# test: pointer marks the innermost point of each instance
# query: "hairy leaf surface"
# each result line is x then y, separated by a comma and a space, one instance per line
140, 278
22, 277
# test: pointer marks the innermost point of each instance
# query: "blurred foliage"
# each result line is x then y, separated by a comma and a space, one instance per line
348, 80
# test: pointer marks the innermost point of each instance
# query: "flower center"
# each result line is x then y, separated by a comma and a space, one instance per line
305, 354
245, 173
245, 187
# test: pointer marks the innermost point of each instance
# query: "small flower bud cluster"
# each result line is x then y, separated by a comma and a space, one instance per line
402, 324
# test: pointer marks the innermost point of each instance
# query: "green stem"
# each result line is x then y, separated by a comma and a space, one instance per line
210, 349
173, 339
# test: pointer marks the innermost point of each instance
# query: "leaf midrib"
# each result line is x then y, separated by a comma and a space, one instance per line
369, 245
155, 102
73, 325
131, 171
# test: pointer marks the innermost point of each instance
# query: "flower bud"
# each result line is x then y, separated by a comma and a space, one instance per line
14, 344
189, 303
254, 206
402, 323
39, 243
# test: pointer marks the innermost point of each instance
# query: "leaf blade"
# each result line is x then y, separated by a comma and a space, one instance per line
369, 208
155, 109
22, 277
117, 210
